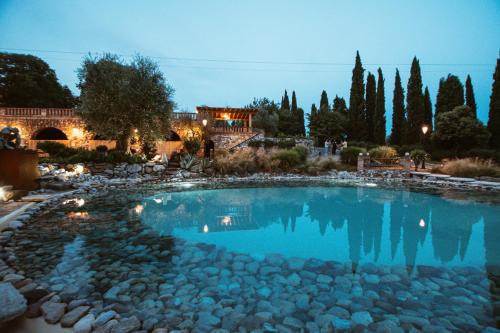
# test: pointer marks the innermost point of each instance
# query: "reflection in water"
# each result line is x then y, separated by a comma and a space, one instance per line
343, 224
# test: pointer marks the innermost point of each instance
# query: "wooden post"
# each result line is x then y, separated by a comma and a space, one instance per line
250, 120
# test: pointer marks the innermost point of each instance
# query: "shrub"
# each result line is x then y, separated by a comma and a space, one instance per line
192, 145
189, 162
362, 144
255, 144
101, 148
116, 156
484, 154
55, 149
407, 148
418, 156
383, 152
288, 159
268, 144
302, 151
349, 155
286, 143
470, 167
327, 164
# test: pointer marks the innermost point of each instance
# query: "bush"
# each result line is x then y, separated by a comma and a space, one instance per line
56, 149
286, 143
287, 159
192, 145
101, 148
349, 155
484, 154
418, 156
189, 162
116, 156
302, 151
255, 144
470, 167
383, 152
362, 144
407, 148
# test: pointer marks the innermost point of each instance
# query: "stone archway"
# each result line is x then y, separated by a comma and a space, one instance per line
49, 134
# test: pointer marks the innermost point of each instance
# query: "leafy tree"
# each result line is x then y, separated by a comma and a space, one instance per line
459, 130
470, 100
494, 113
267, 117
398, 113
339, 105
357, 118
450, 94
427, 110
371, 99
414, 103
28, 81
379, 117
118, 98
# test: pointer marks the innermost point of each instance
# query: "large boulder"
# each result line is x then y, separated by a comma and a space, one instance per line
12, 303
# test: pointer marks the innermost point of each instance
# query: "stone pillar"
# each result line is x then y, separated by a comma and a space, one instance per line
407, 162
361, 162
250, 120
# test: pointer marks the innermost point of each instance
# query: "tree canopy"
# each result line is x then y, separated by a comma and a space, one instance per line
470, 99
494, 112
398, 113
379, 116
267, 118
118, 98
414, 104
371, 100
357, 117
450, 94
28, 81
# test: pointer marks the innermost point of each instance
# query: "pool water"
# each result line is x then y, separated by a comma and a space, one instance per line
274, 259
345, 224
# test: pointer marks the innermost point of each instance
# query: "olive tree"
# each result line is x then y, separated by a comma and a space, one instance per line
118, 99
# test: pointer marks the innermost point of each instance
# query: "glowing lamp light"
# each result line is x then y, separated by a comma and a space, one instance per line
205, 228
421, 223
425, 128
204, 122
226, 116
226, 220
3, 195
79, 168
138, 209
77, 133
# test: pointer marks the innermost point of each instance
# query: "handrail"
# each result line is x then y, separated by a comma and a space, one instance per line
36, 112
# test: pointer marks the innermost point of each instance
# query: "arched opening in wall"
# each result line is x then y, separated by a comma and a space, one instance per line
49, 133
172, 136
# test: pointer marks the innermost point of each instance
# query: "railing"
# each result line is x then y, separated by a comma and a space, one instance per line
184, 115
231, 129
37, 112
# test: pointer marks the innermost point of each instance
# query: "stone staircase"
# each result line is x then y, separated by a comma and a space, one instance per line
231, 141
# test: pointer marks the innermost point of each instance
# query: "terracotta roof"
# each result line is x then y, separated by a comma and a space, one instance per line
225, 110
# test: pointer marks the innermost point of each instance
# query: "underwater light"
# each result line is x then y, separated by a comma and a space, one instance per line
158, 200
138, 209
421, 223
205, 228
371, 185
78, 201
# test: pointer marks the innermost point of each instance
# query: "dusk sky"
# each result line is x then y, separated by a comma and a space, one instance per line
225, 53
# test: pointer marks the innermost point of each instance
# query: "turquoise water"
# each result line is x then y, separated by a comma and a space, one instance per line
344, 224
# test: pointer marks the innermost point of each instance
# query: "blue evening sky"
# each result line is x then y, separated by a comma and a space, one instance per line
459, 37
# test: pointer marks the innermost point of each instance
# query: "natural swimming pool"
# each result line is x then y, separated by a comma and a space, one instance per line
274, 258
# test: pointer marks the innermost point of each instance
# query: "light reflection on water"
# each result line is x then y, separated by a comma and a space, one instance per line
345, 224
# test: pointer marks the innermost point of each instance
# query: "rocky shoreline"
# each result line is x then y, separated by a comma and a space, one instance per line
210, 289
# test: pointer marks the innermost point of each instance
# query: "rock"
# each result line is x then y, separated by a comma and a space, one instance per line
206, 319
106, 328
324, 279
372, 278
264, 292
12, 303
70, 318
158, 168
52, 311
296, 264
302, 302
361, 318
84, 325
103, 318
293, 322
341, 324
127, 325
294, 279
134, 168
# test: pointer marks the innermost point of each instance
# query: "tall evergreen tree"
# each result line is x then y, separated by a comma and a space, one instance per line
313, 121
339, 105
301, 125
414, 103
470, 100
398, 136
357, 118
294, 102
371, 99
427, 111
494, 113
450, 94
379, 117
285, 102
323, 103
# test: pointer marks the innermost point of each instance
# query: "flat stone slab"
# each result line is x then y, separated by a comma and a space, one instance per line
437, 175
12, 303
461, 179
36, 197
485, 183
419, 173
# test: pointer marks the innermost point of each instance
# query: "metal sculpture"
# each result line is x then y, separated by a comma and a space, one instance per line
10, 138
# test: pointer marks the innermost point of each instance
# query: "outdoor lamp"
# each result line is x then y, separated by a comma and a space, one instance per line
425, 128
204, 122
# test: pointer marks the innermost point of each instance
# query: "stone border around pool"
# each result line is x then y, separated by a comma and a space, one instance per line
24, 296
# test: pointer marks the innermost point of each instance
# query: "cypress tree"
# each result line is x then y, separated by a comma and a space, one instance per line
379, 117
398, 136
494, 113
371, 96
357, 118
301, 125
414, 103
427, 110
339, 105
470, 100
323, 103
450, 94
285, 102
294, 115
313, 121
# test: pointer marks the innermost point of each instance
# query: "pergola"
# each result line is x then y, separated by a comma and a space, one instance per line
216, 113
